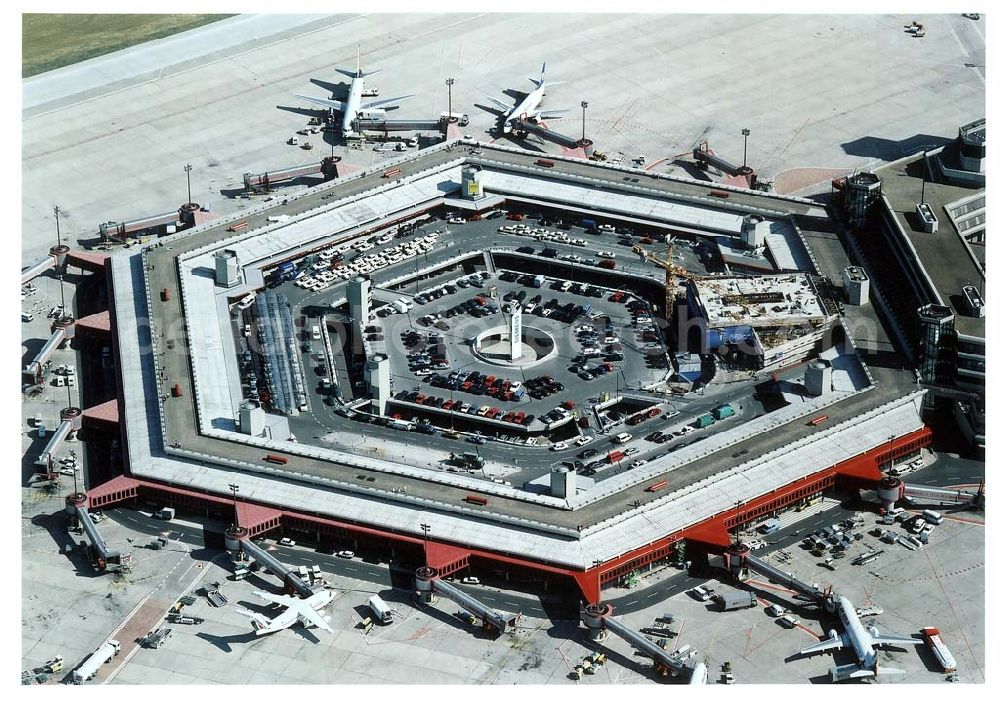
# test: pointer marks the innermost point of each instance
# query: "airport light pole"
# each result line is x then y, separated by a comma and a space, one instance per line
583, 105
187, 169
62, 290
746, 134
234, 488
449, 82
56, 210
426, 528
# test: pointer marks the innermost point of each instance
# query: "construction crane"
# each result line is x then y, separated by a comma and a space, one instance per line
672, 271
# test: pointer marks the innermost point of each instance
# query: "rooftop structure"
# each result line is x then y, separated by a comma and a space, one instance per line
764, 300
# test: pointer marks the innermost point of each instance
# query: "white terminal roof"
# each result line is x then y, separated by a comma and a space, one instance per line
605, 541
656, 208
764, 300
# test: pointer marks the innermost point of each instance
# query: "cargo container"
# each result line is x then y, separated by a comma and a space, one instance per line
615, 456
662, 484
276, 459
478, 501
588, 224
545, 163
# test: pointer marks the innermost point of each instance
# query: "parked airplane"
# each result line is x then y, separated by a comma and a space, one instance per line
298, 610
354, 108
699, 674
861, 641
528, 107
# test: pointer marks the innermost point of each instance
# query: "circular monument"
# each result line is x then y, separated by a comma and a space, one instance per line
499, 346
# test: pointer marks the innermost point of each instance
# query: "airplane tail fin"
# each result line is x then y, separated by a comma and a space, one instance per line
259, 622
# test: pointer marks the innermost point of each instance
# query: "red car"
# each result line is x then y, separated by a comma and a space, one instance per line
447, 405
519, 417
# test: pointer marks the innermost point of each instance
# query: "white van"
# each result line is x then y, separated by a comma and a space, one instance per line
621, 438
315, 332
27, 317
932, 517
380, 609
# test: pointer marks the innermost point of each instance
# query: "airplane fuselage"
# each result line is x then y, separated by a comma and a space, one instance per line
525, 108
857, 635
352, 106
292, 615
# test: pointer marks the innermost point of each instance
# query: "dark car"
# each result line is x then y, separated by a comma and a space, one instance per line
588, 453
526, 249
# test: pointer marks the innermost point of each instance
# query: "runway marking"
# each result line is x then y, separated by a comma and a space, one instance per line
815, 635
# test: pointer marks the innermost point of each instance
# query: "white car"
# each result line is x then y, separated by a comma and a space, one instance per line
584, 439
345, 554
286, 542
559, 446
605, 254
456, 220
636, 463
470, 580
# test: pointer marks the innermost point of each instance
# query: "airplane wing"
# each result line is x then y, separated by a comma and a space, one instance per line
839, 642
505, 107
328, 102
278, 599
308, 613
882, 640
385, 102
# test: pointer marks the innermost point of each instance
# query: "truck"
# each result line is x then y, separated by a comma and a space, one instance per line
737, 600
769, 526
724, 411
461, 118
704, 420
400, 425
165, 514
286, 271
89, 668
538, 280
380, 609
590, 225
932, 638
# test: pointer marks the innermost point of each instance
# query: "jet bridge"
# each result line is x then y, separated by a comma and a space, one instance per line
55, 259
63, 329
389, 126
739, 561
704, 155
238, 539
104, 558
72, 421
527, 126
263, 182
598, 620
892, 490
428, 583
918, 493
